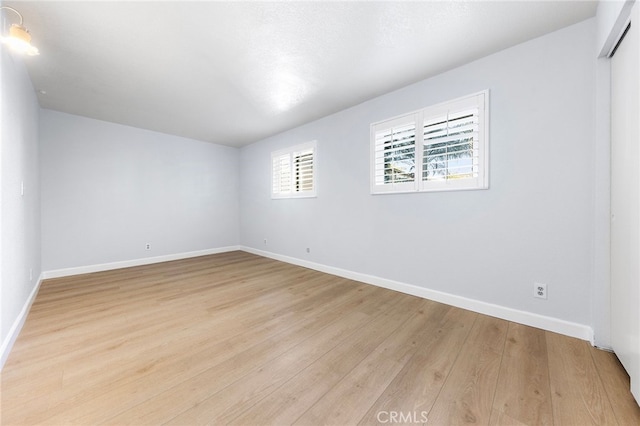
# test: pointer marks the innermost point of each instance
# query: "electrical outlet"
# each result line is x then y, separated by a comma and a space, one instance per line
265, 241
308, 250
540, 290
147, 246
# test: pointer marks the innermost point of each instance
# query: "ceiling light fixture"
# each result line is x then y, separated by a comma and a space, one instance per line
19, 38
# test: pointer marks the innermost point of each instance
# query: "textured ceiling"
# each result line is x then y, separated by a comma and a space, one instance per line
235, 72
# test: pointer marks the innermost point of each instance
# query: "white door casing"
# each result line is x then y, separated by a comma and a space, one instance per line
625, 202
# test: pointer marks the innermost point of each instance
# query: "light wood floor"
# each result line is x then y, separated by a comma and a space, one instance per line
240, 339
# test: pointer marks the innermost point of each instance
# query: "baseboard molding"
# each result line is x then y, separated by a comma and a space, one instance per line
17, 325
555, 325
58, 273
8, 342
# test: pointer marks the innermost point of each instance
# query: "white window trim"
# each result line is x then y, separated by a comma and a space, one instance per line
291, 152
481, 99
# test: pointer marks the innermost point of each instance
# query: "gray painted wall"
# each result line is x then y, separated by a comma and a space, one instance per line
108, 189
535, 223
19, 214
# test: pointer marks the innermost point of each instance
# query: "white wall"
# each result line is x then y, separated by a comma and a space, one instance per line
535, 223
108, 189
19, 214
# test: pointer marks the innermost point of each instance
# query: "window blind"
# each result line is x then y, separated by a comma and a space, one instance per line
281, 174
441, 147
394, 153
293, 171
451, 146
303, 170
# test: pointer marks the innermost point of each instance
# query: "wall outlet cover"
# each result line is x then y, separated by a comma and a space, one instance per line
540, 290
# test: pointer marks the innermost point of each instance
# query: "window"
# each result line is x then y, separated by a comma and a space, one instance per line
439, 148
293, 172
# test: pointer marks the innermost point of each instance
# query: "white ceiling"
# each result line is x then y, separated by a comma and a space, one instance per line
235, 72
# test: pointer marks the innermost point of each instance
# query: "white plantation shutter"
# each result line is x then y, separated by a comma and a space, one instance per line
450, 151
303, 170
293, 172
281, 176
454, 152
451, 146
394, 154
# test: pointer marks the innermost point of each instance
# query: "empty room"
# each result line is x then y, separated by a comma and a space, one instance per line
320, 212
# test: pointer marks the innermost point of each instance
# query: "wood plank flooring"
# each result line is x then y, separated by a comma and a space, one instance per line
239, 339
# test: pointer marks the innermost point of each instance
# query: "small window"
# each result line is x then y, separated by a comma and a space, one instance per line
439, 148
293, 172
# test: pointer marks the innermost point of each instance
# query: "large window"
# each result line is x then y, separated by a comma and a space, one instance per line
439, 148
293, 172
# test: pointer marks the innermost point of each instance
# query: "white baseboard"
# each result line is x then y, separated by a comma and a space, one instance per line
8, 342
57, 273
16, 327
555, 325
